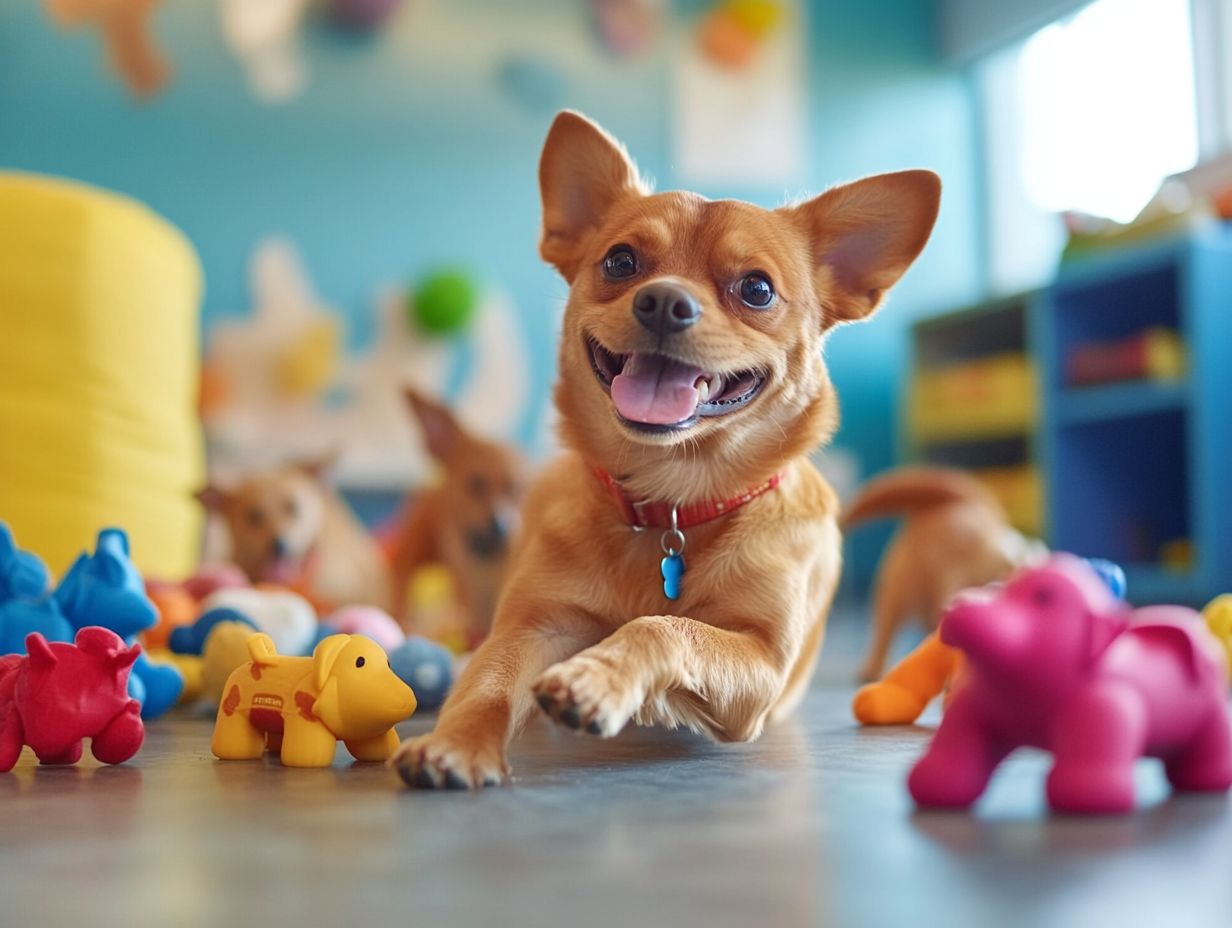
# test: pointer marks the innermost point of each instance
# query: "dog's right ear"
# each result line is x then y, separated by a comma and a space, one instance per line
441, 432
582, 172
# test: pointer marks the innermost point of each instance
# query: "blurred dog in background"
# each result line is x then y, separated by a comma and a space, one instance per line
955, 535
466, 522
286, 526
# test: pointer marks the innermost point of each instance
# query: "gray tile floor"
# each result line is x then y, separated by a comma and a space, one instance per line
810, 826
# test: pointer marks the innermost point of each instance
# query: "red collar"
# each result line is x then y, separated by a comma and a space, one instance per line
644, 513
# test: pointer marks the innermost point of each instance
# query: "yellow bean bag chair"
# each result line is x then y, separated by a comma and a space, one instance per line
99, 371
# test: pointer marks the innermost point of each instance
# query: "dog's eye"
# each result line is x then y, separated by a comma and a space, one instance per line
359, 662
255, 517
478, 487
620, 263
291, 507
756, 290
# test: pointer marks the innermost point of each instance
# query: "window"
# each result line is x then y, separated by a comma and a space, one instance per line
1090, 113
1108, 108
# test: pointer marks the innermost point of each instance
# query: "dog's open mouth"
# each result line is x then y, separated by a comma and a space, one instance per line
657, 392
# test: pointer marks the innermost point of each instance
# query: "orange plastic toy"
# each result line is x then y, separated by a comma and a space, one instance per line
901, 695
175, 608
301, 707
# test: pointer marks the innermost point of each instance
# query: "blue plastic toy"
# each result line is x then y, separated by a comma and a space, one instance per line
190, 639
26, 604
101, 589
424, 666
1112, 575
104, 588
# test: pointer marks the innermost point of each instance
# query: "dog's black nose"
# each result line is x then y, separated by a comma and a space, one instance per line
665, 308
279, 548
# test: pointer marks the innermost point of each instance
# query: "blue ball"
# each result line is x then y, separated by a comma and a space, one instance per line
426, 667
1111, 574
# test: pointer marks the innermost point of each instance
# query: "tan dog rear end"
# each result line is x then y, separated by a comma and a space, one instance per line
954, 536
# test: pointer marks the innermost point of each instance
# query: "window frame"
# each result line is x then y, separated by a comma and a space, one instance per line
1211, 21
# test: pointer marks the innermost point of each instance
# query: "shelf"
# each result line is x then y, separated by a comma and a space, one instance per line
1148, 584
1078, 405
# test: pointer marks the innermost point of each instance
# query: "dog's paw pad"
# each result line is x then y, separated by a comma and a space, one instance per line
432, 763
581, 695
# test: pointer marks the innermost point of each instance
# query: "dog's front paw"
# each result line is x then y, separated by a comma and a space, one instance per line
437, 761
584, 694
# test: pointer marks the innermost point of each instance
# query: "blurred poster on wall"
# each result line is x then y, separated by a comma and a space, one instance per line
737, 83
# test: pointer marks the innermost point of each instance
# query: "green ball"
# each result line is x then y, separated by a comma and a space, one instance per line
443, 303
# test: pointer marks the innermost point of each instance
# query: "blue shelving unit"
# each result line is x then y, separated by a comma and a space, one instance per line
1131, 467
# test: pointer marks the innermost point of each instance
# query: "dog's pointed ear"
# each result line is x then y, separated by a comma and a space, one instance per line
441, 432
212, 497
864, 235
582, 173
319, 466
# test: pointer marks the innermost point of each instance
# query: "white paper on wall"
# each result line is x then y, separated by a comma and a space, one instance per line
740, 126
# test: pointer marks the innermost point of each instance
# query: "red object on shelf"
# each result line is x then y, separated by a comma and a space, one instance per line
1152, 354
58, 694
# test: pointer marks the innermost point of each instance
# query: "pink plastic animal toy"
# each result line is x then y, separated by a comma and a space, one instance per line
61, 693
1056, 662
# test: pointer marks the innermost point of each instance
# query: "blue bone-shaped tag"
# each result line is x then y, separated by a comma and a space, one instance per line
672, 567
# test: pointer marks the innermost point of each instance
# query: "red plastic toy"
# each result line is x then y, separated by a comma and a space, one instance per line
1056, 662
61, 693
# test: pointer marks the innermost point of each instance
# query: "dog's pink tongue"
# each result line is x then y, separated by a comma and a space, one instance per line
655, 390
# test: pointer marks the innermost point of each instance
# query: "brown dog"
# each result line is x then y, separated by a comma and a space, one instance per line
955, 536
467, 521
691, 381
287, 527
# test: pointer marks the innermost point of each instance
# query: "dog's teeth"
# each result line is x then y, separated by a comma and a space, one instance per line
703, 389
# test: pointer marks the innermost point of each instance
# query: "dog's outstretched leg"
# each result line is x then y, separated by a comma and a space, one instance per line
489, 705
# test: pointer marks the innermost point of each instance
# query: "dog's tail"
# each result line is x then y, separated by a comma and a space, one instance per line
909, 490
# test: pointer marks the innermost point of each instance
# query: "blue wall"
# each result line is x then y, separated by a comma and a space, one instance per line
393, 161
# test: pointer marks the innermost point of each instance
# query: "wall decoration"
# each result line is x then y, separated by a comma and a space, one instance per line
627, 27
281, 387
533, 82
265, 36
738, 99
362, 15
125, 27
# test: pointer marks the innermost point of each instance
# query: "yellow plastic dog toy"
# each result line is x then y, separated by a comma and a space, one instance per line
302, 706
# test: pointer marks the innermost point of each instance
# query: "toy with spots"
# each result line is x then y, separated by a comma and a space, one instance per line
61, 693
300, 707
424, 666
1055, 661
104, 588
